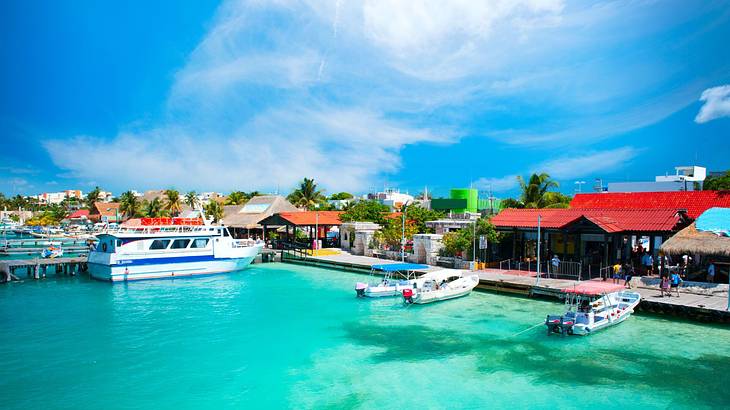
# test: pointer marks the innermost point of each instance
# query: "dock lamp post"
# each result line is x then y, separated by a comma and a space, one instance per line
316, 226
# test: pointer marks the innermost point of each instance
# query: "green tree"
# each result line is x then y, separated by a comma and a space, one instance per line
455, 243
236, 198
419, 216
391, 233
252, 194
464, 241
535, 189
307, 195
556, 200
214, 210
191, 199
154, 208
129, 205
370, 211
92, 197
173, 203
510, 203
341, 196
717, 183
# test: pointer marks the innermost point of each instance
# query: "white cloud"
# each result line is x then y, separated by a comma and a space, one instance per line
717, 104
280, 90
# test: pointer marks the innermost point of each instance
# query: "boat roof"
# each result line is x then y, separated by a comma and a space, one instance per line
594, 288
394, 267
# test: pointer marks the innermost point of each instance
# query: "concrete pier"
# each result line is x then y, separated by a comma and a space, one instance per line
38, 268
699, 307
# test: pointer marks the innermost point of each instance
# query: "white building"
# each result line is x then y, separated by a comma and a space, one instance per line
58, 197
684, 179
206, 197
392, 198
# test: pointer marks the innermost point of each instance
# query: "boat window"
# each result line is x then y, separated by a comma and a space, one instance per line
225, 231
199, 243
160, 244
180, 243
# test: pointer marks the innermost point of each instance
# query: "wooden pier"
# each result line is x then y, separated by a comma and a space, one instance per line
38, 268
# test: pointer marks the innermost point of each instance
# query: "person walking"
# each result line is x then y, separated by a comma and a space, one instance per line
664, 285
628, 274
675, 281
616, 273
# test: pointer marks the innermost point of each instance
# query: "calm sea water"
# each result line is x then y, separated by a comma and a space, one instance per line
283, 336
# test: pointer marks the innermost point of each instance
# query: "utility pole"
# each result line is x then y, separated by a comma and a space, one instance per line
537, 282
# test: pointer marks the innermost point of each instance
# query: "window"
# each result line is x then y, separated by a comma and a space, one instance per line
225, 232
180, 243
160, 244
199, 243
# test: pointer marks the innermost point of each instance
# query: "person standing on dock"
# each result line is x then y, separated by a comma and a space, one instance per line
711, 272
555, 262
647, 261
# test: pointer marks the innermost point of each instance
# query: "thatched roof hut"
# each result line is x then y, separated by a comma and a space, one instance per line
690, 240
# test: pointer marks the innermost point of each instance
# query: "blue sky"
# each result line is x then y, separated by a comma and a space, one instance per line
244, 95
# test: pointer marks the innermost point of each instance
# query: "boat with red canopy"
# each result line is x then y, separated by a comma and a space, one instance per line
592, 306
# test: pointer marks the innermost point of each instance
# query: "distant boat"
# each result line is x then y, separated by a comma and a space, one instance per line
590, 310
440, 285
169, 251
54, 250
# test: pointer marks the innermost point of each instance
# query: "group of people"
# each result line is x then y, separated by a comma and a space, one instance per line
625, 272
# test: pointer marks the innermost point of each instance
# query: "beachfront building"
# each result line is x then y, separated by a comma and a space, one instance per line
452, 224
78, 217
49, 198
244, 221
308, 225
107, 212
600, 229
356, 237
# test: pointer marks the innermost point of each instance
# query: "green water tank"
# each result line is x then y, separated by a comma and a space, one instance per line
471, 196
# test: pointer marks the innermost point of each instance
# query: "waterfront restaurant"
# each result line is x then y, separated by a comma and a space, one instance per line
594, 237
308, 221
600, 229
244, 221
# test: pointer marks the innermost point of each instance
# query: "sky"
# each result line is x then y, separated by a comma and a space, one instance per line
360, 95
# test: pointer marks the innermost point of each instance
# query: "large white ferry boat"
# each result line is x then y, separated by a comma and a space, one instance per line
169, 251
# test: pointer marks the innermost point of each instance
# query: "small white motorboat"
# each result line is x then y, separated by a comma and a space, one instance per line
589, 311
440, 285
396, 278
54, 250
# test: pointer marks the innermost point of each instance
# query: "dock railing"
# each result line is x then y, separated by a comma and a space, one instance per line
565, 270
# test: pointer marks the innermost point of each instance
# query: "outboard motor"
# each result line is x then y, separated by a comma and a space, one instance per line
408, 295
360, 289
559, 324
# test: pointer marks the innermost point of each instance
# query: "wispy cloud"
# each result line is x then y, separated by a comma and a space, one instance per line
276, 91
567, 167
717, 104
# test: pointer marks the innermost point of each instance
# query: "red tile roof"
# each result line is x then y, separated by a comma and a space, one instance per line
610, 220
79, 213
695, 202
312, 217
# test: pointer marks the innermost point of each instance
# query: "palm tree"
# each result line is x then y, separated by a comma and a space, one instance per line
236, 198
191, 199
92, 197
214, 210
173, 204
252, 194
307, 195
129, 204
153, 208
533, 192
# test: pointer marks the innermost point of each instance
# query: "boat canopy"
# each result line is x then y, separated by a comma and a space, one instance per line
594, 288
395, 267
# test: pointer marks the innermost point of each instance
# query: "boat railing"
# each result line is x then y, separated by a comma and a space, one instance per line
158, 229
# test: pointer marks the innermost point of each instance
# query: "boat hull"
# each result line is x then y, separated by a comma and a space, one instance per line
462, 287
123, 273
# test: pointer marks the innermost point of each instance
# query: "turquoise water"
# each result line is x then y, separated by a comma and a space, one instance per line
283, 336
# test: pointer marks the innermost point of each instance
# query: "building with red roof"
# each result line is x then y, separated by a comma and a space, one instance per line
603, 228
693, 202
309, 221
